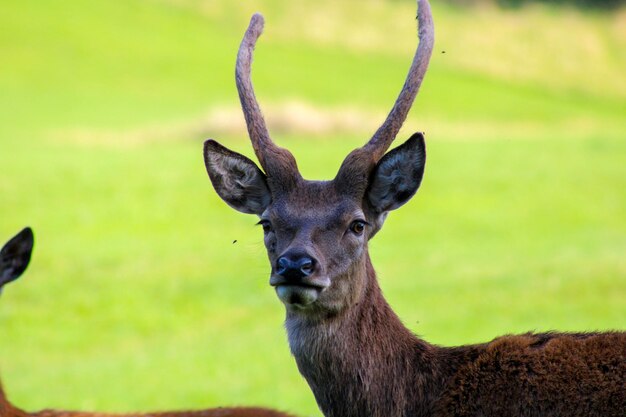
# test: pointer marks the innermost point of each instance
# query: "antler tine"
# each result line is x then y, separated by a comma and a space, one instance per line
387, 132
277, 162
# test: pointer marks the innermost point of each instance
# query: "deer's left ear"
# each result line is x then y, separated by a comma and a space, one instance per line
240, 183
397, 176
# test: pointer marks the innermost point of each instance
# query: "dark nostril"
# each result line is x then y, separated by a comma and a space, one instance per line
283, 265
306, 265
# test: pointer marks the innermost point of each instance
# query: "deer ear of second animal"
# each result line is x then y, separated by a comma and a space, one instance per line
15, 256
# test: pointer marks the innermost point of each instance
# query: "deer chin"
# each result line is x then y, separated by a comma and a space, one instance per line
301, 294
298, 296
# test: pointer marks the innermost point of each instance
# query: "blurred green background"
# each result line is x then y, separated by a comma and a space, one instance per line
138, 296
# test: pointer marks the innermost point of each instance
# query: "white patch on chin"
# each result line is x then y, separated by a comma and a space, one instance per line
299, 297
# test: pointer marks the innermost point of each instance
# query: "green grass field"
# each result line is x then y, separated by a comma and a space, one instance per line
138, 299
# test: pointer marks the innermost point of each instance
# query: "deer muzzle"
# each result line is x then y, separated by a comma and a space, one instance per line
296, 281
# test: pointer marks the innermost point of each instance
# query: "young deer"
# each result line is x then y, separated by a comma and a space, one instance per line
349, 345
14, 258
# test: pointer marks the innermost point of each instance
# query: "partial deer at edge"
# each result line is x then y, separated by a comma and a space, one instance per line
14, 259
356, 355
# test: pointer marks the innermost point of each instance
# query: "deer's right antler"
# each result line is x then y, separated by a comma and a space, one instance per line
278, 163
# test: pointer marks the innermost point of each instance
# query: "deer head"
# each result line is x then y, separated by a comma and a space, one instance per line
15, 256
316, 232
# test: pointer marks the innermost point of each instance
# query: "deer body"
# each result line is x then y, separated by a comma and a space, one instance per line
14, 259
354, 352
211, 412
8, 410
366, 363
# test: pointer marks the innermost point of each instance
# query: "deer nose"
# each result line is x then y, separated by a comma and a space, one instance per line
295, 266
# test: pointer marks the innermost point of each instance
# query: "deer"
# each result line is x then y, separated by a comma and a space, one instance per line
14, 259
352, 349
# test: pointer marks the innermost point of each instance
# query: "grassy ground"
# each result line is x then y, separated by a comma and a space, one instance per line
138, 299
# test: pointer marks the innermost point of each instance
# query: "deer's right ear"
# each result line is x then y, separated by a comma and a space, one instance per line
15, 256
237, 180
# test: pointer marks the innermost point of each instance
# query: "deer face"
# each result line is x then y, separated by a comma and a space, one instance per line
316, 232
314, 238
15, 256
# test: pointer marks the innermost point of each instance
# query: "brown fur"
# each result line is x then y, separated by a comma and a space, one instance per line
7, 410
548, 374
212, 412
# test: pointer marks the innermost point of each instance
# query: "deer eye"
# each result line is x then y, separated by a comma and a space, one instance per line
266, 225
358, 227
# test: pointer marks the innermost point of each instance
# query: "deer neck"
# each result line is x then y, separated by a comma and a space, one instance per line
364, 362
